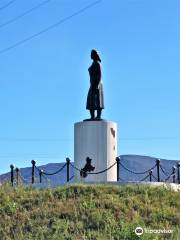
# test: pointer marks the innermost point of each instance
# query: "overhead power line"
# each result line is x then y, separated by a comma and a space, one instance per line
36, 139
49, 28
70, 139
24, 13
151, 138
7, 5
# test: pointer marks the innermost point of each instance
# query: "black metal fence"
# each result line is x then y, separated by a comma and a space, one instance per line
162, 175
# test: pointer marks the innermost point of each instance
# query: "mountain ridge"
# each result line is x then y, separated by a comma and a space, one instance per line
135, 163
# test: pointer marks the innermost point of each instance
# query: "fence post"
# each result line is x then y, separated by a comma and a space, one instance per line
150, 175
174, 174
17, 176
68, 163
178, 173
40, 175
118, 163
158, 164
12, 174
33, 170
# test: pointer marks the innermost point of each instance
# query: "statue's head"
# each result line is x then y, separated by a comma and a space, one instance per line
95, 56
88, 160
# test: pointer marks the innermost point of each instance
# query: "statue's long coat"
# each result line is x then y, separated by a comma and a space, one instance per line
95, 98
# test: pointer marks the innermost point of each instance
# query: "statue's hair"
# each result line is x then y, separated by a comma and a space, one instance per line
95, 55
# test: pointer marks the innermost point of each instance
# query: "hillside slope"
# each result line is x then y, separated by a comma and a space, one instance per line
93, 212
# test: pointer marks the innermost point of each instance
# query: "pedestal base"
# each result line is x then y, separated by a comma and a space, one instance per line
98, 141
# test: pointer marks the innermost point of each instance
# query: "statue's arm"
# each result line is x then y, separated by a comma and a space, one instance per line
96, 75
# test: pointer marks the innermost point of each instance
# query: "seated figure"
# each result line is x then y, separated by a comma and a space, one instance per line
87, 168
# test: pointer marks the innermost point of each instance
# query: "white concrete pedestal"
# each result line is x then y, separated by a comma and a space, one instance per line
98, 141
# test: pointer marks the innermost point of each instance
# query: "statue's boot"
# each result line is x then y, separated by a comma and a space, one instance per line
99, 114
92, 114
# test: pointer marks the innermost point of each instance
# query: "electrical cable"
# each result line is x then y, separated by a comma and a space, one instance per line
24, 13
7, 5
49, 28
70, 139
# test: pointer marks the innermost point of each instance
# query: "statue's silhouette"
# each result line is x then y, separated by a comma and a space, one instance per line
95, 98
87, 168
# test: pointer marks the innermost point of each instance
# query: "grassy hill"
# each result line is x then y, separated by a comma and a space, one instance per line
88, 212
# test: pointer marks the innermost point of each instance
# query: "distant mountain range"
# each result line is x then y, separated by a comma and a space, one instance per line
135, 163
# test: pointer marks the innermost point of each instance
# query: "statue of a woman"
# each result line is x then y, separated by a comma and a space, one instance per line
95, 98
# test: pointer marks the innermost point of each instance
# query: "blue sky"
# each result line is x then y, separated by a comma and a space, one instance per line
44, 82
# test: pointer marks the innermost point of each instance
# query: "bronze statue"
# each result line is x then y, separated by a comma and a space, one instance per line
87, 168
95, 98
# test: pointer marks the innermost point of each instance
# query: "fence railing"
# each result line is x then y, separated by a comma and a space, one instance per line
159, 168
16, 176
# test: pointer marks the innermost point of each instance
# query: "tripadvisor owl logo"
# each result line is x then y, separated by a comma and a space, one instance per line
138, 231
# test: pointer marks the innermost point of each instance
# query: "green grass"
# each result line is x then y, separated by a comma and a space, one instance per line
87, 212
